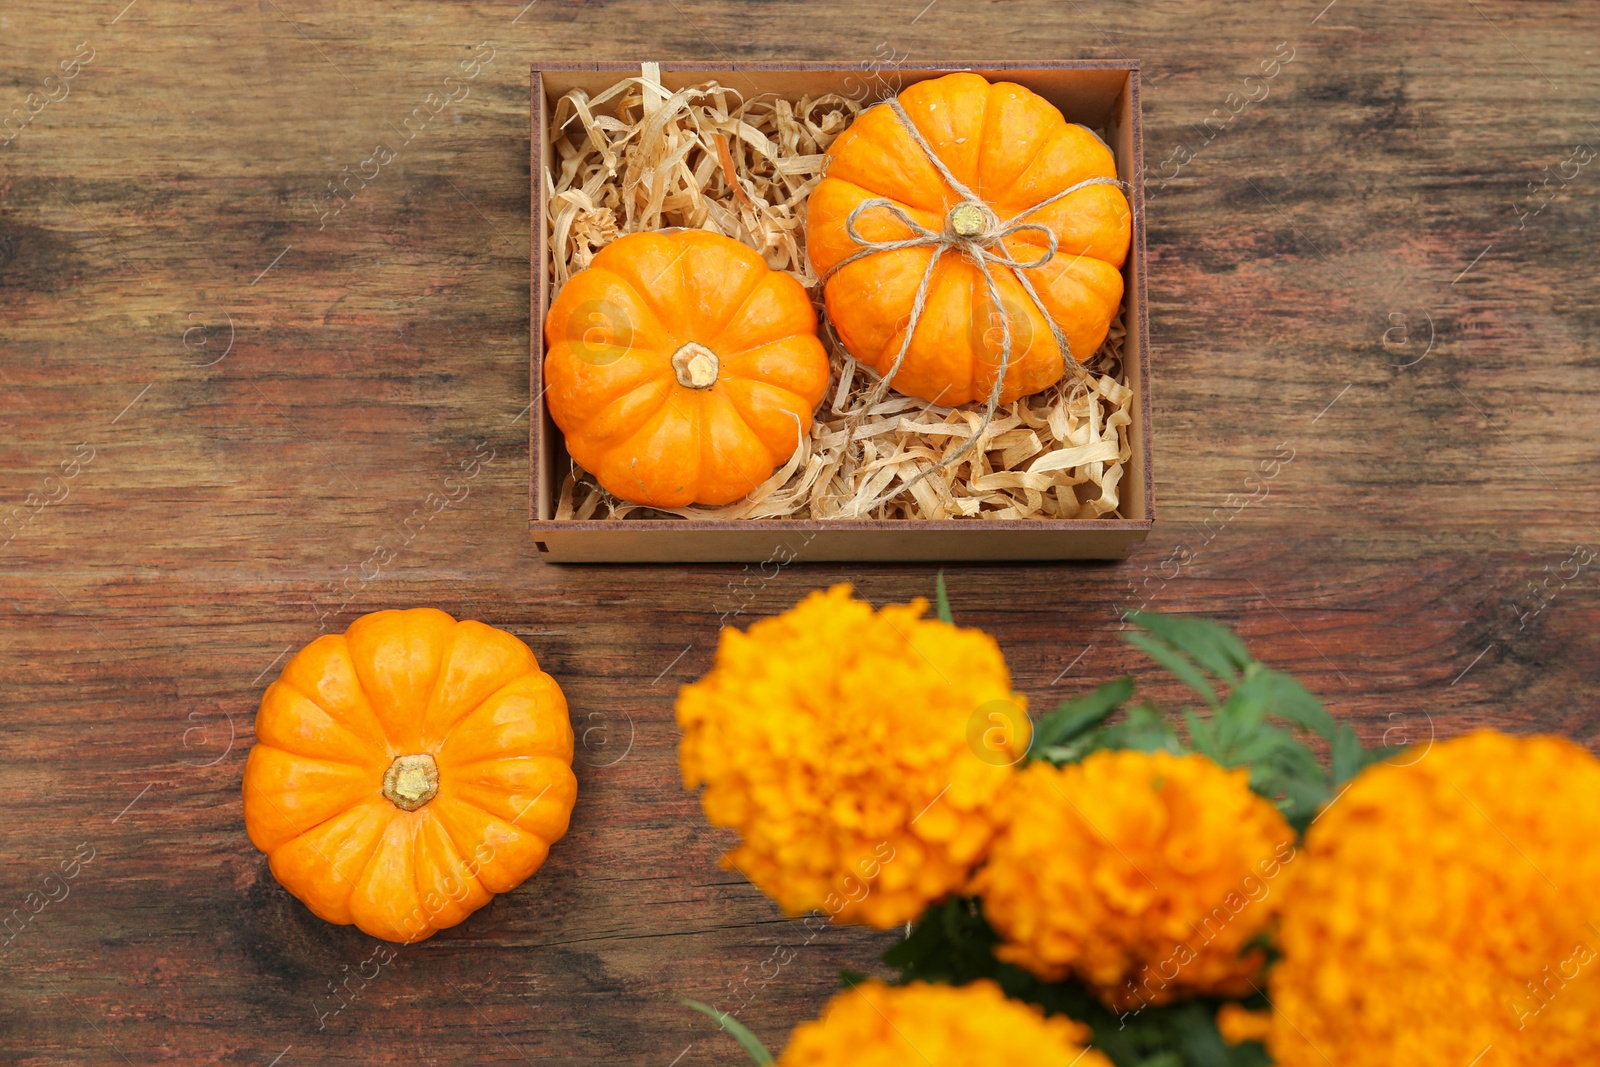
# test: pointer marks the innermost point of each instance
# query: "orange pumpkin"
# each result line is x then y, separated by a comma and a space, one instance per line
681, 369
1011, 149
407, 770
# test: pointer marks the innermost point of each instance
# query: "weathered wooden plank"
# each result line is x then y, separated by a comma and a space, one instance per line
1413, 561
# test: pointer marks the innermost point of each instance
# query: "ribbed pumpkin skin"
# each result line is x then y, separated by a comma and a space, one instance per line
610, 384
400, 683
1013, 149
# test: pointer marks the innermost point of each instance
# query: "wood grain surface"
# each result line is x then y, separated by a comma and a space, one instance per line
230, 415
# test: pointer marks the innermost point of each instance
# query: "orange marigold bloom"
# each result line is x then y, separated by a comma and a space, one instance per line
874, 1025
1446, 908
835, 739
1143, 874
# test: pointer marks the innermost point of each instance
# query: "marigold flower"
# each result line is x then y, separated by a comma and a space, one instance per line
874, 1025
1144, 874
835, 739
1446, 908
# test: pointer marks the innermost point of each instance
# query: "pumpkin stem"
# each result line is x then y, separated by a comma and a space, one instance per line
411, 781
696, 366
966, 220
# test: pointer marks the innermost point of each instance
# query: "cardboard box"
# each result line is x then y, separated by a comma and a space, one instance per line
1097, 94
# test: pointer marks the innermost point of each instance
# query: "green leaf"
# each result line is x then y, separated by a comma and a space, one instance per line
1348, 756
1208, 643
1145, 729
737, 1030
1286, 698
1060, 754
1241, 715
1301, 801
1201, 736
952, 943
1176, 662
849, 979
941, 600
1079, 715
1237, 734
1194, 1027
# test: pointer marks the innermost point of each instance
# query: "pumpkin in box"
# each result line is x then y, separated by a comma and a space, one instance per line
681, 369
964, 226
407, 770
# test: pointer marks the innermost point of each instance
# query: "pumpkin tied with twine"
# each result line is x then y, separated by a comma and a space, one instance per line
971, 240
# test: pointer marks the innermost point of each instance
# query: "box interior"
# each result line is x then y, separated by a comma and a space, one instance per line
1101, 97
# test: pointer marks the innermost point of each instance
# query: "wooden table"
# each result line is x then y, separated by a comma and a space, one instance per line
1381, 265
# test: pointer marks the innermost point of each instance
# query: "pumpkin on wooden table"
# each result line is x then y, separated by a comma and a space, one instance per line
407, 770
1024, 177
681, 369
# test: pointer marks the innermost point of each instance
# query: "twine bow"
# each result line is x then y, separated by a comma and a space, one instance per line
973, 229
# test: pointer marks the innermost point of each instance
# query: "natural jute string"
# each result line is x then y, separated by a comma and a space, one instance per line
973, 229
